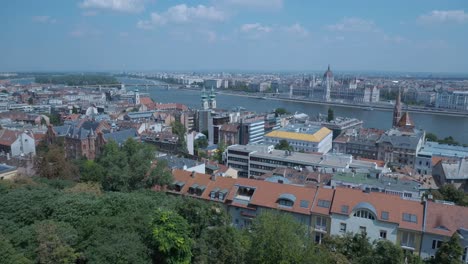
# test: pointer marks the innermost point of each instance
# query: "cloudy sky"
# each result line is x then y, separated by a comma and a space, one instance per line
290, 35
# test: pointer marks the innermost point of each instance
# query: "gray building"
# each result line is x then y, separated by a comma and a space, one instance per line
400, 147
256, 160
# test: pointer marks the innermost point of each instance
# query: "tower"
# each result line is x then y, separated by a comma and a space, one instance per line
397, 110
204, 100
136, 98
212, 99
329, 80
91, 153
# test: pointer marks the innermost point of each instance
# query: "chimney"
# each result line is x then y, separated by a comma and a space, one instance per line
213, 177
192, 174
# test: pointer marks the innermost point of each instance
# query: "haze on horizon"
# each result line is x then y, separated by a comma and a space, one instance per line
250, 35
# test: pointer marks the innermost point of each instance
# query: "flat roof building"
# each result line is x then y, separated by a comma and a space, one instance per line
305, 138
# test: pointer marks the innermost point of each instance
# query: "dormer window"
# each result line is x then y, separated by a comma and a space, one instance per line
364, 214
286, 199
214, 193
178, 185
222, 194
410, 218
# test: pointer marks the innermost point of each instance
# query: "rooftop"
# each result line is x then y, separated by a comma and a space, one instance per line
445, 150
305, 133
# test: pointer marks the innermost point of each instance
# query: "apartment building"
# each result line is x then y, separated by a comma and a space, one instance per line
418, 227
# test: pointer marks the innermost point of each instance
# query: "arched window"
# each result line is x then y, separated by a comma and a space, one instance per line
364, 214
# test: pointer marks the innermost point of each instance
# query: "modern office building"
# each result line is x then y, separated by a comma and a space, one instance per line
303, 138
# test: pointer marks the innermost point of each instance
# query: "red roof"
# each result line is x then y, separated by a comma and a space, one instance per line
8, 137
202, 179
444, 219
324, 195
394, 205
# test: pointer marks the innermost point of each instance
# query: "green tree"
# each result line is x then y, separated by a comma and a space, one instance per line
331, 115
179, 129
450, 252
431, 137
201, 215
385, 252
218, 155
283, 144
277, 238
116, 176
171, 237
90, 171
52, 248
221, 244
450, 193
353, 246
8, 254
281, 111
160, 175
52, 164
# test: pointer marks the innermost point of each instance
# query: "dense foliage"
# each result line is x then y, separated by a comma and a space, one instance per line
108, 214
74, 80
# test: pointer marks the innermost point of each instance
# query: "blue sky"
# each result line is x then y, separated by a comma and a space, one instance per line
293, 35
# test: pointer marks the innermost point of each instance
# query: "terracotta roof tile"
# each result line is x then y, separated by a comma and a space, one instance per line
323, 195
444, 219
394, 205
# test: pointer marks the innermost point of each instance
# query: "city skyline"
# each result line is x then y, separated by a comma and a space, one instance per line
255, 35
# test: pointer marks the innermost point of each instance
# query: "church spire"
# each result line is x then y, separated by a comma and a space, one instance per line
397, 110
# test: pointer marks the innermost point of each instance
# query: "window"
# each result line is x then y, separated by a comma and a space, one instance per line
304, 204
318, 238
342, 227
285, 202
362, 229
344, 209
384, 215
407, 239
436, 244
321, 223
465, 255
364, 214
410, 218
383, 234
324, 203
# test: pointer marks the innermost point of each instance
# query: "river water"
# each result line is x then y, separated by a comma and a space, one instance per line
441, 125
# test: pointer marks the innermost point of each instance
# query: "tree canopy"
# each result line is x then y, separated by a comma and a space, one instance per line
283, 144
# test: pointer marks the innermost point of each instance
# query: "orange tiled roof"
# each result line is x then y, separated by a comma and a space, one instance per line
326, 195
444, 219
8, 137
394, 205
267, 194
202, 179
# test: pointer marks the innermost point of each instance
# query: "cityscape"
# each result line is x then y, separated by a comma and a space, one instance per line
161, 132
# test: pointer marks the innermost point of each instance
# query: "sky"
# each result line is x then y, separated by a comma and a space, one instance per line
242, 35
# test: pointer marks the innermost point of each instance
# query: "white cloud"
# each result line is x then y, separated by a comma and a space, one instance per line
258, 4
297, 29
44, 19
132, 6
442, 16
354, 24
255, 28
181, 14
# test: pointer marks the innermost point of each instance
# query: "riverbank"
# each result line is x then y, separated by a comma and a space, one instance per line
358, 106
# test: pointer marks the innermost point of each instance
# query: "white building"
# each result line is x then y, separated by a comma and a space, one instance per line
303, 138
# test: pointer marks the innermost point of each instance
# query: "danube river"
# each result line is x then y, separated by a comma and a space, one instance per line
441, 125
